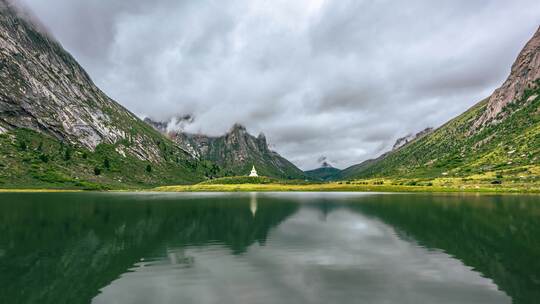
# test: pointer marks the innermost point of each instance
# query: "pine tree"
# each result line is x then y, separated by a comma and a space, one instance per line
106, 163
67, 154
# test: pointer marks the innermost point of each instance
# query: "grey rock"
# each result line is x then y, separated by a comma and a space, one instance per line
235, 152
525, 70
43, 88
401, 142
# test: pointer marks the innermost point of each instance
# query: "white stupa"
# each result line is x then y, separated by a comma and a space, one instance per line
253, 172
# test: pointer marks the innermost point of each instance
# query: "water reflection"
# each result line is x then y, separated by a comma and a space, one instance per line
498, 236
253, 203
63, 248
268, 248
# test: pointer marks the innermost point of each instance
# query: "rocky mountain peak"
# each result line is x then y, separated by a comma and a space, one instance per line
238, 128
160, 126
235, 152
326, 164
524, 71
261, 138
400, 142
324, 172
174, 124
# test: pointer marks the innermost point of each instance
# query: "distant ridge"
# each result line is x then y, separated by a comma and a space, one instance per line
234, 152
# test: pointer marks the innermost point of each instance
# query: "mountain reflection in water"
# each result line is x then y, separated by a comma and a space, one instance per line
268, 248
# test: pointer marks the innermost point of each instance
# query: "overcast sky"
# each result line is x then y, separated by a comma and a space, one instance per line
336, 78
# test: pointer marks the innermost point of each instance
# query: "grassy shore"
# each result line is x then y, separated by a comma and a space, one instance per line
241, 184
38, 190
337, 187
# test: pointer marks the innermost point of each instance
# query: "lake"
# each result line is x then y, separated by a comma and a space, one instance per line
269, 248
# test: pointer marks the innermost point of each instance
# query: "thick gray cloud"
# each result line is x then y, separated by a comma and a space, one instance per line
340, 78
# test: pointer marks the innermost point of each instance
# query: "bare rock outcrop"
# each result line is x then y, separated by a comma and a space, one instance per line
403, 141
525, 70
43, 88
235, 152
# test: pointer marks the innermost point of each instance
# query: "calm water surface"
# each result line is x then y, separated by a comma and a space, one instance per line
269, 248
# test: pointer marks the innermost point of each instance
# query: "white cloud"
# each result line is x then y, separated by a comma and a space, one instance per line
339, 78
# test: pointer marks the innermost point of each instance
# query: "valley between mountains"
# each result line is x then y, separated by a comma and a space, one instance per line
58, 130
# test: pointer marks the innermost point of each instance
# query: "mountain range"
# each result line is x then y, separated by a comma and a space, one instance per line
58, 129
234, 152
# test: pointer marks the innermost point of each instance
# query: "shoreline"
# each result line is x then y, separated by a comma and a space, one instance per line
339, 188
30, 190
293, 188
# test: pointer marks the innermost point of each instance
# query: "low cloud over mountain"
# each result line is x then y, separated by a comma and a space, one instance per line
338, 78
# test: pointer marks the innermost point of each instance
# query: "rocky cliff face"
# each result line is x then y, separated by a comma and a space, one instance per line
44, 89
57, 129
235, 152
525, 70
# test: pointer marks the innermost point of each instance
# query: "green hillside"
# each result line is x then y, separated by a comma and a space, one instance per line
324, 174
33, 160
498, 139
510, 147
59, 130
